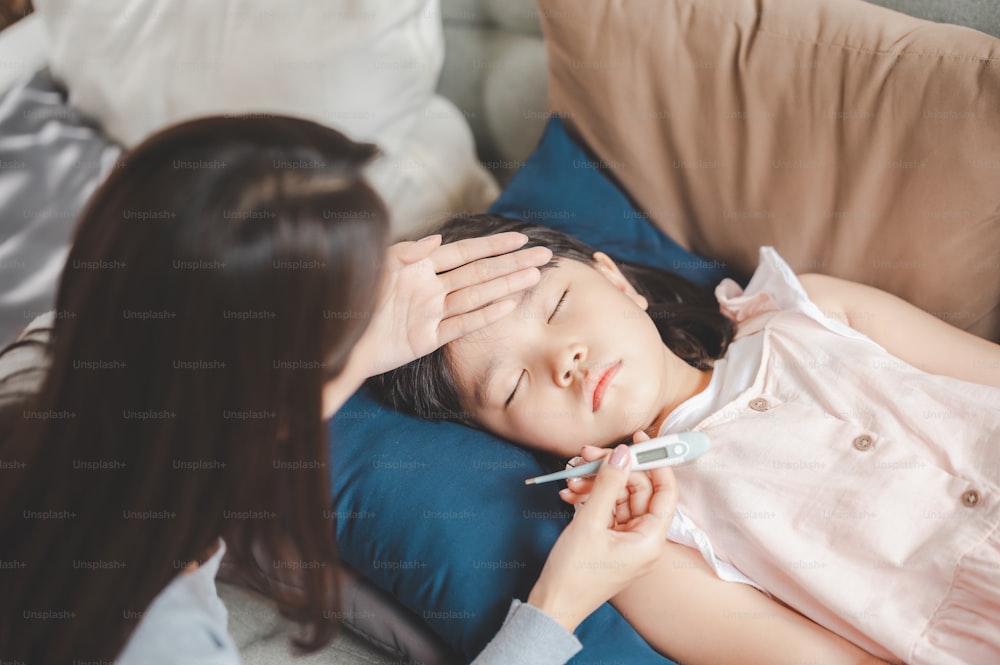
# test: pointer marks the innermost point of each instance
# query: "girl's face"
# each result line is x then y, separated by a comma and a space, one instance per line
578, 362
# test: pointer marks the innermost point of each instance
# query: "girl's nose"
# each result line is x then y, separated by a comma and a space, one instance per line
568, 368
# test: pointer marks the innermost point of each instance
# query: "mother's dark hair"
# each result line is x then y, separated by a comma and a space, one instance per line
217, 279
687, 317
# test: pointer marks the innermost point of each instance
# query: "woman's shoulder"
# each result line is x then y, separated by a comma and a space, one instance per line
185, 623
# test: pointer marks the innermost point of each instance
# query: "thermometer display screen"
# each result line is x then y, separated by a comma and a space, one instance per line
651, 455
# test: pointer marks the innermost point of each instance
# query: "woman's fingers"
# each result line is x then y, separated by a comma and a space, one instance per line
608, 484
456, 254
472, 276
452, 328
662, 502
572, 498
633, 499
578, 489
590, 453
623, 511
472, 298
582, 485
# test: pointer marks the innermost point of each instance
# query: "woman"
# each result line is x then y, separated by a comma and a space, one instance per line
227, 289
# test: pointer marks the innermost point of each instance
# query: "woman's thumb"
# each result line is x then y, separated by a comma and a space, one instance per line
609, 483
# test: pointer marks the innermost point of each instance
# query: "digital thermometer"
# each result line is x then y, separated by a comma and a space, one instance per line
667, 450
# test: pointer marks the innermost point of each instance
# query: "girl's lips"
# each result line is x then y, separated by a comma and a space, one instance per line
603, 382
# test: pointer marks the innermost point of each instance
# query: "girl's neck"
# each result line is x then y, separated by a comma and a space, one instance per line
691, 381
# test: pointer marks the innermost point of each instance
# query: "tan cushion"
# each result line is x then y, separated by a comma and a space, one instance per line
861, 142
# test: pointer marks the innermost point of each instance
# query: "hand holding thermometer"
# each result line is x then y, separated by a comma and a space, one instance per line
667, 450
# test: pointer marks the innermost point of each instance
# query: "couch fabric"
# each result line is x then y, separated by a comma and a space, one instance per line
860, 142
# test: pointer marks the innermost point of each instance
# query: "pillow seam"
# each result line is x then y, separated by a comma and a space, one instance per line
789, 37
768, 31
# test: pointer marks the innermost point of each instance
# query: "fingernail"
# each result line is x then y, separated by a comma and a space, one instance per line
426, 240
620, 457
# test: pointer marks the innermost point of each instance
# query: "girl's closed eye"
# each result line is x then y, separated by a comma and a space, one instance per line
520, 378
558, 306
517, 386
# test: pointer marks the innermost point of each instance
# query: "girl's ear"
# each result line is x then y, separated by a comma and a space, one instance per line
607, 267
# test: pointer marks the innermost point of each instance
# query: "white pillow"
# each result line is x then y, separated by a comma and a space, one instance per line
365, 67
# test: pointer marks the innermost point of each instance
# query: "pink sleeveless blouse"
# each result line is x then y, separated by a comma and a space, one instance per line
857, 489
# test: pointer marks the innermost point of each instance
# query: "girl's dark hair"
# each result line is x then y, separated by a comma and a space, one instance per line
687, 317
217, 279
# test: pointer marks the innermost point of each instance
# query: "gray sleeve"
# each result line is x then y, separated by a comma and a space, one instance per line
529, 637
185, 624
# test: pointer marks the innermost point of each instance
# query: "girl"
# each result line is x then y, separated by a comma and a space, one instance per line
843, 481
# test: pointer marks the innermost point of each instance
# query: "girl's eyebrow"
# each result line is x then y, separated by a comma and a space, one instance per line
483, 382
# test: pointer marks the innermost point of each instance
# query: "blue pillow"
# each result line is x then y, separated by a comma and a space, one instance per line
562, 186
435, 513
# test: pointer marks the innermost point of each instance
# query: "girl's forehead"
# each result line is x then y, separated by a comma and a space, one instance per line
499, 335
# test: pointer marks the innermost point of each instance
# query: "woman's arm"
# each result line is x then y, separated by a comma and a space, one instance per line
905, 331
593, 559
684, 611
529, 636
